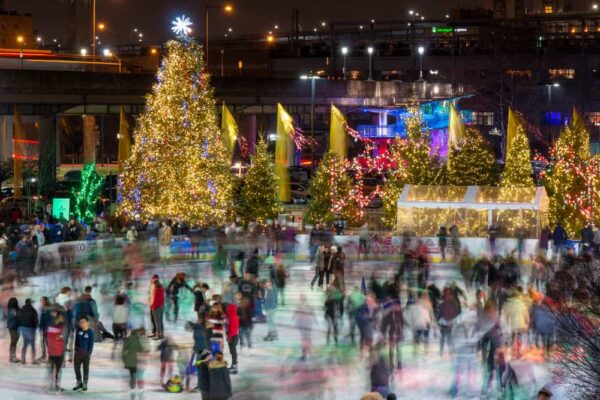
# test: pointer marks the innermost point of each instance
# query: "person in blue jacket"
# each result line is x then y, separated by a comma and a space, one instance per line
12, 324
84, 346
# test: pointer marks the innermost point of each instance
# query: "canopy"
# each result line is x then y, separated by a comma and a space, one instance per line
423, 209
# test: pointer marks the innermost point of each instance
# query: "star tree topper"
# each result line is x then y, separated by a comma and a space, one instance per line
182, 26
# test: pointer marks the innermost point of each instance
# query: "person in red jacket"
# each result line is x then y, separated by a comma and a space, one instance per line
56, 349
157, 307
233, 338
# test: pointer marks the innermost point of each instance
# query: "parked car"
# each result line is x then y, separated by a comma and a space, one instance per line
299, 193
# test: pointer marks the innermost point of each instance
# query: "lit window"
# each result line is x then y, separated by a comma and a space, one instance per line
552, 118
484, 118
593, 118
519, 73
561, 73
548, 10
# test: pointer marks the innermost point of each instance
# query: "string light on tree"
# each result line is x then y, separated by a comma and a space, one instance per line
179, 166
86, 195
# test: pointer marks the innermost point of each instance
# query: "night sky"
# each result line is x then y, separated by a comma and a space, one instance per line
251, 17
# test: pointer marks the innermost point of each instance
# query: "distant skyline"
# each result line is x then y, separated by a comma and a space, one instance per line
153, 17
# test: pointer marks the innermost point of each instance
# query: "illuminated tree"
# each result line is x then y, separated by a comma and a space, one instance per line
329, 190
86, 195
259, 194
517, 164
178, 166
414, 162
473, 162
572, 181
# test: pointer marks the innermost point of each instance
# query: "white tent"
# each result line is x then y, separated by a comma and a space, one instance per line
423, 209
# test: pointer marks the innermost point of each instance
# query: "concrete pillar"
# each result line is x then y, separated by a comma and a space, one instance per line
89, 139
47, 153
249, 132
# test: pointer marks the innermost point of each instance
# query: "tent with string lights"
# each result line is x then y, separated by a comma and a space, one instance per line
423, 209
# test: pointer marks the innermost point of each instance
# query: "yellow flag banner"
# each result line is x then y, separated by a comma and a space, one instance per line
513, 125
229, 129
124, 139
337, 133
18, 154
456, 128
284, 151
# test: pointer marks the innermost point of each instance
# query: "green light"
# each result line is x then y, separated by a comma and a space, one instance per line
87, 194
442, 29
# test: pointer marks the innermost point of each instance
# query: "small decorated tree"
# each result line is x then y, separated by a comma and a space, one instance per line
517, 164
86, 195
328, 185
473, 162
259, 192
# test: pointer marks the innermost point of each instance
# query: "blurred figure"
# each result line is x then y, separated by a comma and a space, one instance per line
135, 344
448, 311
318, 265
167, 359
28, 323
177, 283
271, 303
120, 317
516, 317
304, 319
84, 346
380, 374
233, 334
165, 235
157, 308
419, 316
218, 378
56, 350
442, 241
12, 324
280, 281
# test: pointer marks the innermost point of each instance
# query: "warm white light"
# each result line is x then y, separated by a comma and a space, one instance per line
83, 52
594, 6
38, 39
276, 26
421, 50
411, 12
556, 84
323, 24
447, 15
303, 76
180, 26
106, 52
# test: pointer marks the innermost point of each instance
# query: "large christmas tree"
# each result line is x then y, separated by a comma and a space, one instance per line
259, 193
178, 165
473, 162
517, 164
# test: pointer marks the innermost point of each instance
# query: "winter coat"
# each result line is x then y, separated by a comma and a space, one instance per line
516, 314
544, 320
380, 374
120, 314
158, 298
132, 346
219, 381
84, 341
270, 299
559, 236
164, 236
200, 337
199, 299
27, 317
85, 307
233, 321
447, 311
45, 319
12, 319
418, 316
56, 341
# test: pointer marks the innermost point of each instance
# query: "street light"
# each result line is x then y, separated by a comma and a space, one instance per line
83, 52
21, 42
313, 80
101, 26
344, 53
370, 50
595, 6
227, 8
421, 51
550, 86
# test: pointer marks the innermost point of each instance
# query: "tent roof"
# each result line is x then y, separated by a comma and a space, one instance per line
475, 197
